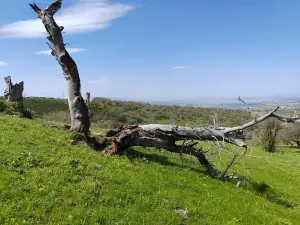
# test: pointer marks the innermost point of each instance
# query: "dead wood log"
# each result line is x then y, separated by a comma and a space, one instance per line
158, 136
80, 121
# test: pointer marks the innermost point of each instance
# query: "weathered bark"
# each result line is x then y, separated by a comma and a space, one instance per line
158, 136
166, 136
13, 92
78, 109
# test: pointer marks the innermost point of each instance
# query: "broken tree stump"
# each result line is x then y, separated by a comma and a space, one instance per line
13, 92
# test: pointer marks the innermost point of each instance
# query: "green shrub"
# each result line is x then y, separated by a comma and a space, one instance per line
10, 108
15, 108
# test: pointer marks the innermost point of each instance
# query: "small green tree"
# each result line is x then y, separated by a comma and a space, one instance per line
269, 135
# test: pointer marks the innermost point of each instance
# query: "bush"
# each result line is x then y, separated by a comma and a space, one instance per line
10, 108
15, 108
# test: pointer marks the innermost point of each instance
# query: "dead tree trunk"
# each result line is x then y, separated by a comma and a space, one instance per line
80, 121
161, 137
13, 92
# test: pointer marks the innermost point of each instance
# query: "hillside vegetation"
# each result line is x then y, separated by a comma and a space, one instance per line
111, 113
45, 180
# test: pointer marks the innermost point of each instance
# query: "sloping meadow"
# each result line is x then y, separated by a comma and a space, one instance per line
45, 180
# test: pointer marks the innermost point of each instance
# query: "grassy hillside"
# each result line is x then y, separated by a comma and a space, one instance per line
45, 180
109, 113
44, 105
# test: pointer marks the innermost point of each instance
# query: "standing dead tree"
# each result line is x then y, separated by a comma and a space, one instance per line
79, 112
13, 92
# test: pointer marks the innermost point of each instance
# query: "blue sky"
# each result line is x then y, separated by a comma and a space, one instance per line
158, 50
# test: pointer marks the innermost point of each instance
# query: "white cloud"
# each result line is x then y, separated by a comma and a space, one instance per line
83, 16
70, 50
100, 80
2, 63
179, 67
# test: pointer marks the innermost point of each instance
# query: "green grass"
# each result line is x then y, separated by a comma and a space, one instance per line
45, 180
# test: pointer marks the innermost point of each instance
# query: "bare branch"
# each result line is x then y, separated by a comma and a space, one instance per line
252, 123
231, 163
239, 98
295, 119
36, 9
53, 8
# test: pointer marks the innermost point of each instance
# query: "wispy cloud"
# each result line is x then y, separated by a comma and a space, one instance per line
70, 50
100, 80
180, 67
83, 16
2, 63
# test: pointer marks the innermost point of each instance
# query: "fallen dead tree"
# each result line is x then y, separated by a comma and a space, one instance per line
167, 137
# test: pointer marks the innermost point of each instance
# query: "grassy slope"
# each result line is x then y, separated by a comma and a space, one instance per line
44, 105
44, 180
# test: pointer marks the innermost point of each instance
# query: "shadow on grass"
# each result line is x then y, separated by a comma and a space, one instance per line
266, 191
261, 189
133, 155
